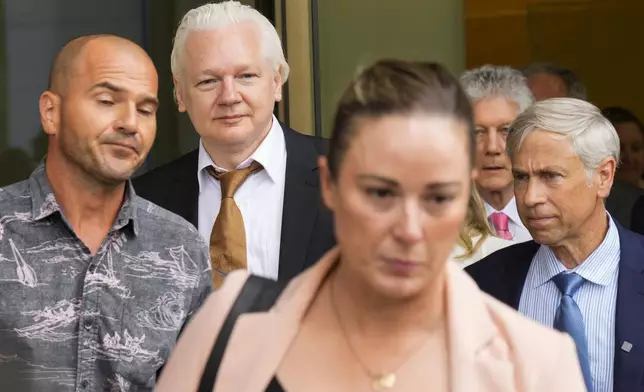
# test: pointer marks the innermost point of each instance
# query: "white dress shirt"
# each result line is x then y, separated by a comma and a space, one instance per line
260, 199
490, 245
596, 298
515, 226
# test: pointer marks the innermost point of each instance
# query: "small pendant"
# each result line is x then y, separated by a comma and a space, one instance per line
386, 381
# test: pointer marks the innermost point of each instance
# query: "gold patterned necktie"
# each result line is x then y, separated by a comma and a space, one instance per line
228, 236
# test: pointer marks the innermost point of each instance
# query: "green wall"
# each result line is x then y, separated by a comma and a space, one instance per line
355, 33
4, 120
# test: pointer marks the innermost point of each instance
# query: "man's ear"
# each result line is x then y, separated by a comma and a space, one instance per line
50, 112
178, 95
605, 176
278, 85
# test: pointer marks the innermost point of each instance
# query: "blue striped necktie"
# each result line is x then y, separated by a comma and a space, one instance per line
569, 319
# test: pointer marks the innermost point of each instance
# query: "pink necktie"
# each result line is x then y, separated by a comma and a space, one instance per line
500, 222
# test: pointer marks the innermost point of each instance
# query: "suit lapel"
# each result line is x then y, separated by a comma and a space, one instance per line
185, 195
517, 272
503, 275
629, 317
301, 202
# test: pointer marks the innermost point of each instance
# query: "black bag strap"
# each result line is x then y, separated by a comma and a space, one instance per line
258, 294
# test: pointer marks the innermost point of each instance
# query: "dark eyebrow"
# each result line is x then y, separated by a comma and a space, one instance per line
116, 89
436, 186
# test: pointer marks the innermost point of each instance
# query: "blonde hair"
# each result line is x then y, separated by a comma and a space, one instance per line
475, 224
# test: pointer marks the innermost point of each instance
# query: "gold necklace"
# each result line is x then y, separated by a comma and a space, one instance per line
379, 381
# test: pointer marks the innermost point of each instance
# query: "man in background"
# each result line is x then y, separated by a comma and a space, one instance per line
498, 94
549, 80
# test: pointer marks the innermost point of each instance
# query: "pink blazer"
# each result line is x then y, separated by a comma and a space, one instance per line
492, 348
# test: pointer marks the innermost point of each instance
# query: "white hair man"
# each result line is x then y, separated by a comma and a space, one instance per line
549, 80
251, 186
498, 95
583, 273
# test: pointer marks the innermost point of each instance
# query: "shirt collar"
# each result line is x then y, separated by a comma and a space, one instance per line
128, 211
510, 210
598, 268
44, 204
43, 201
271, 154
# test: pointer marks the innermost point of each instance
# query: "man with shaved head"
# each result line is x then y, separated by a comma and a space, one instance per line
95, 282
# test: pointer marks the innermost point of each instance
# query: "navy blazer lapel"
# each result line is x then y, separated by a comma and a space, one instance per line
502, 274
301, 202
629, 317
516, 270
173, 186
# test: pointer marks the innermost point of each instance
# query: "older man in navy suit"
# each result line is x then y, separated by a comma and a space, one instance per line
583, 273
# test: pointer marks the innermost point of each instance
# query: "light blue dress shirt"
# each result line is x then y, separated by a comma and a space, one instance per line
596, 299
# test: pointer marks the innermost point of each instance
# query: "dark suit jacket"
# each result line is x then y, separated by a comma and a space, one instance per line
503, 273
307, 226
637, 216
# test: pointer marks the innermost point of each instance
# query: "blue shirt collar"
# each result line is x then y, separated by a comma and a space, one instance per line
598, 268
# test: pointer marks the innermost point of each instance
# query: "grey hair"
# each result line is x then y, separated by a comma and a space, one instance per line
497, 81
224, 14
574, 85
592, 136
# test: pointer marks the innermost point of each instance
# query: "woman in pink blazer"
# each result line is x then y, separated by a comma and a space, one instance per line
386, 309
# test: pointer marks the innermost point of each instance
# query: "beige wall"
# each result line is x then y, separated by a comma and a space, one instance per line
299, 50
357, 32
597, 39
298, 47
